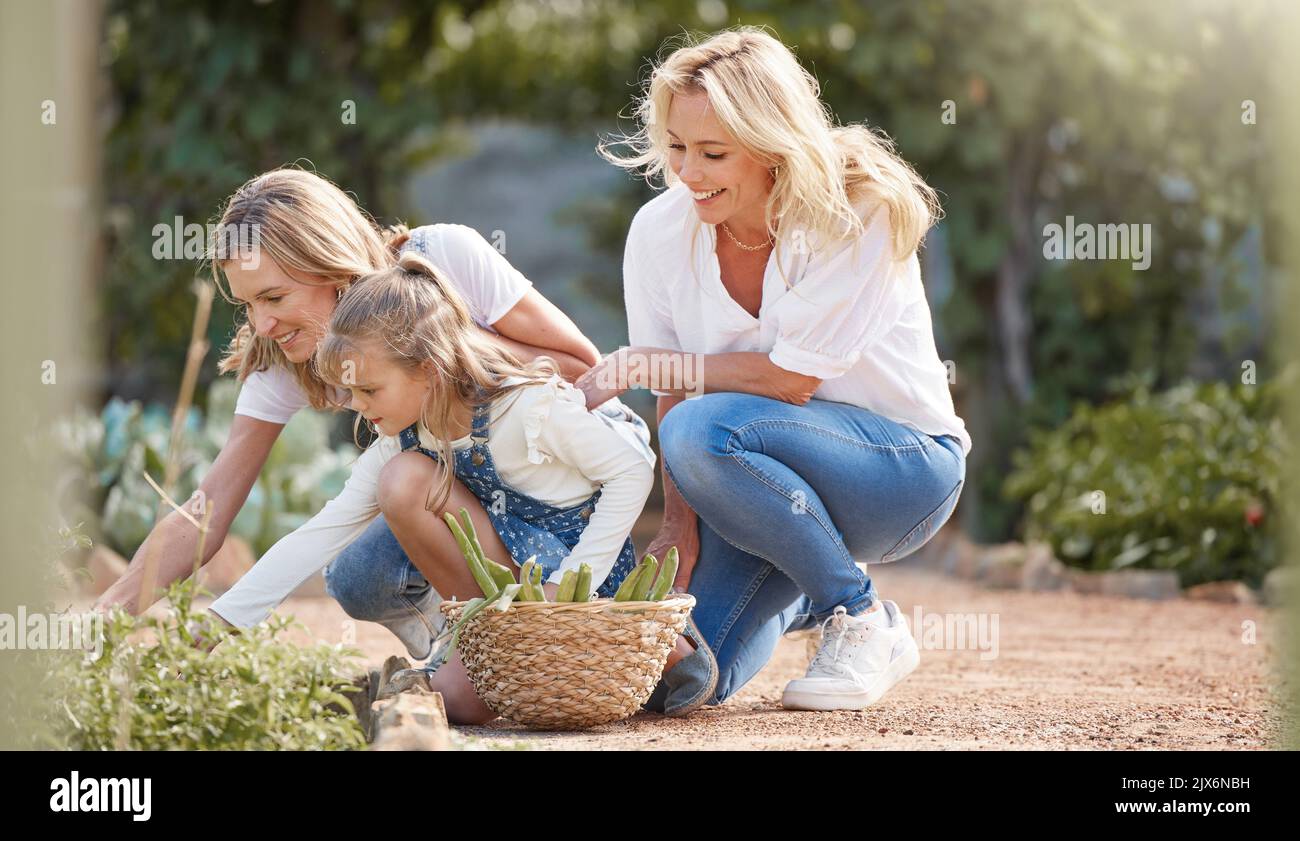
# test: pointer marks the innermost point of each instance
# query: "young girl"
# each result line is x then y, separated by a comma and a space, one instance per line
540, 475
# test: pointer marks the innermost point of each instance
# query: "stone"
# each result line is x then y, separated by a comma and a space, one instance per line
1085, 581
1228, 592
362, 695
1042, 572
397, 676
413, 720
1001, 566
1153, 584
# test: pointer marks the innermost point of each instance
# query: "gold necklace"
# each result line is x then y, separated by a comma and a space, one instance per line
742, 245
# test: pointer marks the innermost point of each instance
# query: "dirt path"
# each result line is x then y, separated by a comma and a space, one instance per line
1070, 671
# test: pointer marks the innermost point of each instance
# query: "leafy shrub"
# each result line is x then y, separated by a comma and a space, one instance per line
106, 456
152, 688
1191, 482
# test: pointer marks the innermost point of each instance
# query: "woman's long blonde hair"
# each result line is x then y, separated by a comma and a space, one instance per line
307, 225
771, 106
419, 319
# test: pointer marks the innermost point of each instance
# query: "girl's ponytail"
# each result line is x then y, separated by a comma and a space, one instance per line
414, 316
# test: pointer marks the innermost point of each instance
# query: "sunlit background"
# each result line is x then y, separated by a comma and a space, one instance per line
1164, 385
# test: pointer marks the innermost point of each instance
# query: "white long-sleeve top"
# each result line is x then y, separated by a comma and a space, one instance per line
543, 442
846, 313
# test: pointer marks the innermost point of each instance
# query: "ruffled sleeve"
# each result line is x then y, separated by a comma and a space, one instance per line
539, 412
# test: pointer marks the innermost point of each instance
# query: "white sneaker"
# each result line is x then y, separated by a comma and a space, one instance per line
857, 663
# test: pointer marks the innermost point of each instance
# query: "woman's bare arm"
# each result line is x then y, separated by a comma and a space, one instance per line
174, 540
680, 525
536, 327
742, 372
570, 366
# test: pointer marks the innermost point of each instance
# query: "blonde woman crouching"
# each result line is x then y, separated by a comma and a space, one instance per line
783, 252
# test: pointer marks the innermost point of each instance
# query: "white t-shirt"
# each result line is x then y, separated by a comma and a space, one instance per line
544, 443
852, 316
485, 279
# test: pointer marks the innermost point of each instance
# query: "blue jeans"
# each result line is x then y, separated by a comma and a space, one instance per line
790, 500
373, 580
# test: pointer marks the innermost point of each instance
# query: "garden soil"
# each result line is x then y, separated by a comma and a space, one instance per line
1069, 671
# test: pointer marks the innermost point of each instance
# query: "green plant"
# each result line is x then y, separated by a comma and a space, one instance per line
106, 456
1187, 479
666, 576
153, 687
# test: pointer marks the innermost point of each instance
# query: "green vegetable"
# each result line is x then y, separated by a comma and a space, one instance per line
666, 576
644, 581
629, 582
538, 587
527, 593
500, 573
582, 592
507, 597
476, 568
567, 585
471, 533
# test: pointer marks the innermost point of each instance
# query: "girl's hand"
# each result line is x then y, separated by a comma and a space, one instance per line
686, 537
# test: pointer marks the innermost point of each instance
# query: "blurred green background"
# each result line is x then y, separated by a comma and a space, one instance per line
1160, 386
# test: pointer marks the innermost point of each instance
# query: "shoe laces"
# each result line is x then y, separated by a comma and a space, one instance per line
832, 656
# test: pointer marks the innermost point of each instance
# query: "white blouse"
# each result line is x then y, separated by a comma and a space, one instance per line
485, 279
543, 442
850, 315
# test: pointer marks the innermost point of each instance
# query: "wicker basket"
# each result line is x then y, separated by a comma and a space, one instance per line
567, 666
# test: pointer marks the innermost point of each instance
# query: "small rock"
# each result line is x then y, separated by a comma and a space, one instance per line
908, 733
1001, 566
1153, 584
406, 678
1130, 583
1042, 572
413, 720
362, 694
1229, 592
1085, 581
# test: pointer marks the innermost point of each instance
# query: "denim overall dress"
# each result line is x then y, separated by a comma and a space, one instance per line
526, 525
